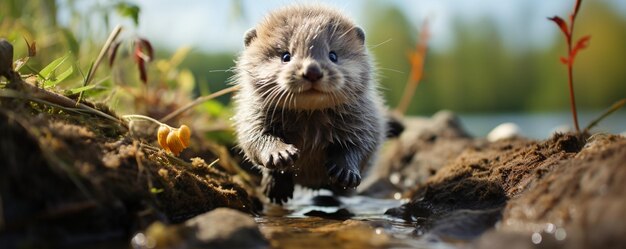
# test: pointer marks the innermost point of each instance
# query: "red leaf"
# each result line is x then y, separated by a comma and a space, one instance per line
581, 44
143, 75
564, 60
144, 45
149, 49
137, 54
561, 24
113, 52
142, 58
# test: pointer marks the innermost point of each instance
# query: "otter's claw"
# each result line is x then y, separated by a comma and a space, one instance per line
342, 176
282, 158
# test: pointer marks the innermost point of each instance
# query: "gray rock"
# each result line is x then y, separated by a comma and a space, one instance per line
225, 228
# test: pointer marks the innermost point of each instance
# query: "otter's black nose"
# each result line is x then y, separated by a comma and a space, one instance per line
313, 73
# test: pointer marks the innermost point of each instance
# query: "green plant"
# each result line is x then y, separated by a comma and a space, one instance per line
572, 51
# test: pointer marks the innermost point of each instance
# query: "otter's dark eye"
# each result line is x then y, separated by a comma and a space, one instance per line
332, 56
286, 57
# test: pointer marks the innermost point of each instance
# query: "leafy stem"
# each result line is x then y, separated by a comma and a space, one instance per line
572, 51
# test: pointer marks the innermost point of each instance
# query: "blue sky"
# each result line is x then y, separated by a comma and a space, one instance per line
211, 25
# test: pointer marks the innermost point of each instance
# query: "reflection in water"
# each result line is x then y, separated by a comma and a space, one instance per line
292, 226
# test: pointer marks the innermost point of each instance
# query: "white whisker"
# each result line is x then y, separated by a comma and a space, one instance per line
221, 70
379, 44
392, 70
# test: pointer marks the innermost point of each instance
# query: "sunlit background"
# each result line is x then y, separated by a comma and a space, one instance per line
491, 61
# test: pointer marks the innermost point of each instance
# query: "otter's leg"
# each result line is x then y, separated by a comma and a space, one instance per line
343, 166
277, 185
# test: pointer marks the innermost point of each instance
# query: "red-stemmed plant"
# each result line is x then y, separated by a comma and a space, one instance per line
417, 57
568, 31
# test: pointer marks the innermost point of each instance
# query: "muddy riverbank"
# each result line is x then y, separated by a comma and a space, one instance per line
75, 179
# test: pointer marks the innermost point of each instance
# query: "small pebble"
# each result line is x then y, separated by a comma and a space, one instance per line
504, 131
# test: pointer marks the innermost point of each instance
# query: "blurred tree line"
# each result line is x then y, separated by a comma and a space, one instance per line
479, 73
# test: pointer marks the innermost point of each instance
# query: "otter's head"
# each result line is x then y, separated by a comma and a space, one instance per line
306, 58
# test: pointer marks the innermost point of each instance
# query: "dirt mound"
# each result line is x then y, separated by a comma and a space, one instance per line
574, 203
69, 177
564, 183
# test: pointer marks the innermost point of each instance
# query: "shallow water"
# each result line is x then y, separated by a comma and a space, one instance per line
292, 225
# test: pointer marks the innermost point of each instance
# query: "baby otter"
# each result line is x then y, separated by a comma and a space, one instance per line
308, 111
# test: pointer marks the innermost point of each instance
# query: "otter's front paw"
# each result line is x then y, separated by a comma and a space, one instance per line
343, 176
282, 157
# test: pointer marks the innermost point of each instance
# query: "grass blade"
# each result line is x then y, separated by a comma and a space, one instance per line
616, 106
58, 79
47, 71
80, 89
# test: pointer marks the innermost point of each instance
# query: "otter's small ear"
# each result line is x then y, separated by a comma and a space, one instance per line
360, 34
249, 36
